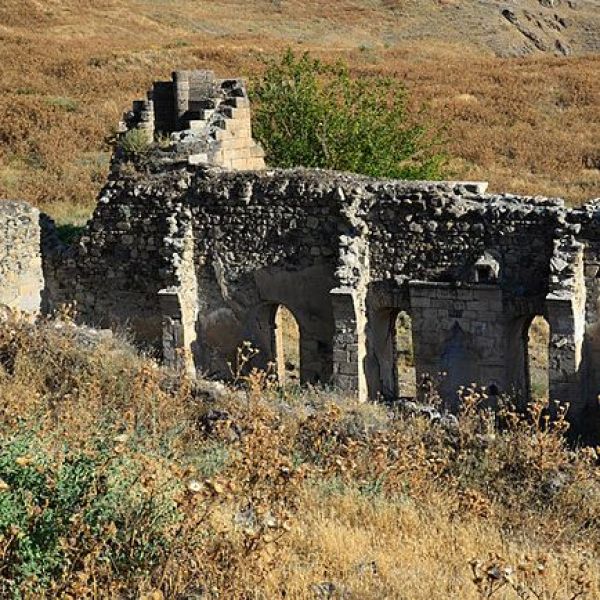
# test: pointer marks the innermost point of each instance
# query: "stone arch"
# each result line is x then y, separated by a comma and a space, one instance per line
287, 343
265, 328
390, 344
404, 367
537, 355
527, 350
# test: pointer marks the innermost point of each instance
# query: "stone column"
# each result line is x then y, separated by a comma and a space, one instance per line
565, 307
349, 341
181, 80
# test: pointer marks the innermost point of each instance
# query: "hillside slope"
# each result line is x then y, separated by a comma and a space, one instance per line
528, 124
504, 28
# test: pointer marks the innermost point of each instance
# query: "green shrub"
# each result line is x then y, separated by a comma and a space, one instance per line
54, 510
317, 115
135, 142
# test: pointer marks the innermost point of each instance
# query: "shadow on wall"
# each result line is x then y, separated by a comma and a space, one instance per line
68, 233
459, 364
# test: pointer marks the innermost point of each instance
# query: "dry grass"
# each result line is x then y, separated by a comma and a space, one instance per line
147, 487
70, 69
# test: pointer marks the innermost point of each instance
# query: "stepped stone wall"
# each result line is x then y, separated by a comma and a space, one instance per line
195, 258
207, 119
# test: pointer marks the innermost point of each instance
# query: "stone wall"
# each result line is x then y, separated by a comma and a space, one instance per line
197, 260
21, 275
194, 253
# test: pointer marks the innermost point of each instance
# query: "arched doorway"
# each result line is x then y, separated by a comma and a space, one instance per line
536, 365
287, 345
404, 363
390, 367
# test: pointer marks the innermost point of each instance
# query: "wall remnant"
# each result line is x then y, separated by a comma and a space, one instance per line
21, 275
206, 119
196, 258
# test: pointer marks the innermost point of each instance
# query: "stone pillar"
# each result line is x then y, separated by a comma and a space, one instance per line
173, 344
147, 118
178, 331
564, 354
565, 308
349, 342
21, 275
181, 88
179, 309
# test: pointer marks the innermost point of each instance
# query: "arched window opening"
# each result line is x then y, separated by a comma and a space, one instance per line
287, 346
486, 269
538, 341
404, 360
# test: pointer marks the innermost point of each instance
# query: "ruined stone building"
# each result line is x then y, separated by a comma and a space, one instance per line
196, 247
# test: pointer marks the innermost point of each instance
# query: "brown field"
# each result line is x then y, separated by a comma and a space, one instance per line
528, 125
150, 488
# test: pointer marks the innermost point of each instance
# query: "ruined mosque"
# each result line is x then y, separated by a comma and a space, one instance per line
195, 248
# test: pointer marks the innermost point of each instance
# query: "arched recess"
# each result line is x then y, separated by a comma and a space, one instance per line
459, 364
390, 360
286, 345
537, 338
284, 336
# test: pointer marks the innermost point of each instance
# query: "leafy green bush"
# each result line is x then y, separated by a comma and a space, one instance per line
317, 115
55, 509
135, 142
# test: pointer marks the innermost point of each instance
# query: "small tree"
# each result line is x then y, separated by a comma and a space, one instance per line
314, 114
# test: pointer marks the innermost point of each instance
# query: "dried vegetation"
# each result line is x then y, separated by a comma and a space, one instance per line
120, 480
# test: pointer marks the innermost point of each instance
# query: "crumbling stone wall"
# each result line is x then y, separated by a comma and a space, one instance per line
195, 255
198, 260
21, 275
129, 251
207, 119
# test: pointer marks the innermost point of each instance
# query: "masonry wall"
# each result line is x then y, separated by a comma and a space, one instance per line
264, 241
207, 119
434, 233
21, 274
129, 251
196, 260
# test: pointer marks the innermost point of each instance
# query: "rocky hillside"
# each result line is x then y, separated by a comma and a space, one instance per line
508, 28
505, 28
